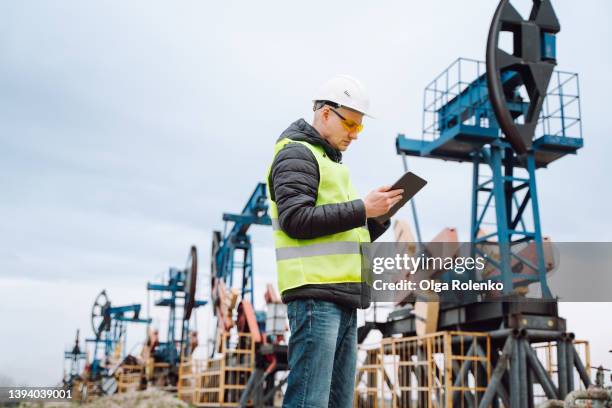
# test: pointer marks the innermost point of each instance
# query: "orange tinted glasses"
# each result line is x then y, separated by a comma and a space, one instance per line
348, 124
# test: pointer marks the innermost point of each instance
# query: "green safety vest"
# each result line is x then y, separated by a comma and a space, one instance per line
334, 258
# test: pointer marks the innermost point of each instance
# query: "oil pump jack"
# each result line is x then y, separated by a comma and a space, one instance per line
517, 116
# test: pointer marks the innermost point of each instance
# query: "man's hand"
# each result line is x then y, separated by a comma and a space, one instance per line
380, 201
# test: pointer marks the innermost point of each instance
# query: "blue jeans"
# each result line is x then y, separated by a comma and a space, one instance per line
322, 355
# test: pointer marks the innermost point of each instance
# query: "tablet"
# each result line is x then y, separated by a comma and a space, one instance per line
412, 184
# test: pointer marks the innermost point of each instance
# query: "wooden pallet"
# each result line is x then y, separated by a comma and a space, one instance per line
186, 380
84, 391
157, 372
129, 378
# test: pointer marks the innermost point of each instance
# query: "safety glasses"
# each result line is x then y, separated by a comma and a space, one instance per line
348, 124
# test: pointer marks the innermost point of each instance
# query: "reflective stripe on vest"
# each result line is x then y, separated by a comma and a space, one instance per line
328, 248
333, 258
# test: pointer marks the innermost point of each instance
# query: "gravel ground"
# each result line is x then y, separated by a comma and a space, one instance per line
140, 399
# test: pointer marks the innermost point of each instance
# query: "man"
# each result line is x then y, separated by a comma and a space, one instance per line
319, 222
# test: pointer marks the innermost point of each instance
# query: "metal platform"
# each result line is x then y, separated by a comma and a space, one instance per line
458, 118
478, 316
484, 316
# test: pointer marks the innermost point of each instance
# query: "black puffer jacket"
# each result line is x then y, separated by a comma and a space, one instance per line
294, 182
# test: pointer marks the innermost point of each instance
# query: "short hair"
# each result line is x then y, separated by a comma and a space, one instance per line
319, 104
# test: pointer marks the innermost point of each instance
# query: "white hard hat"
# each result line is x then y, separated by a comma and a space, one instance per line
346, 91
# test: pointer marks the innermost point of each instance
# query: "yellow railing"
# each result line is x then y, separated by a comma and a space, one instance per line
219, 381
436, 370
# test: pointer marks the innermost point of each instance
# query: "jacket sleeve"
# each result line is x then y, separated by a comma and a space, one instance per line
377, 229
294, 181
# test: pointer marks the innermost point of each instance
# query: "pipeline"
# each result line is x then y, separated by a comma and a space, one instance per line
598, 394
552, 404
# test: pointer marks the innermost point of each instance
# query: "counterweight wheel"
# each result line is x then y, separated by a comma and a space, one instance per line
99, 319
216, 244
191, 280
531, 64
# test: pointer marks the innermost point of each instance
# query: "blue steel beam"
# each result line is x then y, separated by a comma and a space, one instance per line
255, 212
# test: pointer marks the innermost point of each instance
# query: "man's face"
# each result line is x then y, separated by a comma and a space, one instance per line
338, 134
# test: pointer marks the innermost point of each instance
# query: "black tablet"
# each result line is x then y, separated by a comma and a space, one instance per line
411, 184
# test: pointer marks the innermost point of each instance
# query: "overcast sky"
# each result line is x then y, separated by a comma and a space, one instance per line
128, 128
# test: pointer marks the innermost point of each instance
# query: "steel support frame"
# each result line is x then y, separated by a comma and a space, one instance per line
519, 364
502, 192
237, 238
175, 286
245, 267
